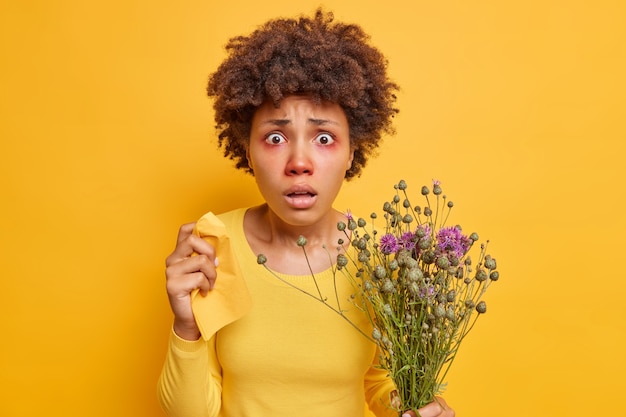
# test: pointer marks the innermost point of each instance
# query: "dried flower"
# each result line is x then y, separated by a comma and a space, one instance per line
416, 282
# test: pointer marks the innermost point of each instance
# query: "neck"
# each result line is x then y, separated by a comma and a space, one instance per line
278, 232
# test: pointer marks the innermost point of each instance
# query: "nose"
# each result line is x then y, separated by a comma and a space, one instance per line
299, 162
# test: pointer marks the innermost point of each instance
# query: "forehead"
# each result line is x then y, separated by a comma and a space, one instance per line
295, 106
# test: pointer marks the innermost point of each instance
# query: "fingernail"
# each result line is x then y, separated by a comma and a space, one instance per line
406, 415
216, 262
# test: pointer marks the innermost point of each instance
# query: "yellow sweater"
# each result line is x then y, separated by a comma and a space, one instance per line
290, 355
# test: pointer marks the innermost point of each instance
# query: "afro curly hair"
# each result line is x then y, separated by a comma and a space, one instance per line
316, 56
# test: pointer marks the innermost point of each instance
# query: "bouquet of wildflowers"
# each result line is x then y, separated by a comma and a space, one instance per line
418, 285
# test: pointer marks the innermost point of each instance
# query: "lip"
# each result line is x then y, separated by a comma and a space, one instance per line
300, 196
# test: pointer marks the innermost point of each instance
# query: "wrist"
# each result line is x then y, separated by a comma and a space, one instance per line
186, 331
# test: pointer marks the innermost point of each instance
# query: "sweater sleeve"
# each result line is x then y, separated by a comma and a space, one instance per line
378, 387
190, 384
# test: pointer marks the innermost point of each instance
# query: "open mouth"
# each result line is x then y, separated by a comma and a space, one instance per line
301, 199
300, 194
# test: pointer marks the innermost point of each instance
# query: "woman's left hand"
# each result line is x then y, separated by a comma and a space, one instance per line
438, 408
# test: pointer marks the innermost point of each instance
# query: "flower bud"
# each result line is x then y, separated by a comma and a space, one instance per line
481, 307
342, 260
402, 185
424, 243
373, 215
407, 218
494, 276
393, 265
261, 259
396, 198
425, 190
474, 236
341, 226
437, 189
481, 275
376, 334
406, 203
427, 211
380, 272
415, 274
450, 314
387, 286
428, 257
440, 311
387, 310
410, 262
301, 241
450, 204
450, 296
490, 263
443, 262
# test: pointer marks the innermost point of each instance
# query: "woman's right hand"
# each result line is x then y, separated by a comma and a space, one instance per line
186, 273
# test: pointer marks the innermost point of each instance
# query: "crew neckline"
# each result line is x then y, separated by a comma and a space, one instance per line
251, 258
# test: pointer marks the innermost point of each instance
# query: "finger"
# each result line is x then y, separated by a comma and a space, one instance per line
190, 245
437, 408
201, 264
184, 231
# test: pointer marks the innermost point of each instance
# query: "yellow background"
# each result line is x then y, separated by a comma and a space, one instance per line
107, 145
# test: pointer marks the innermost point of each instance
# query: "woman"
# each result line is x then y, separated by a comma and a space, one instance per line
300, 104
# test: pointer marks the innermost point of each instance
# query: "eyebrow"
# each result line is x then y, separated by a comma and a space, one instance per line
316, 122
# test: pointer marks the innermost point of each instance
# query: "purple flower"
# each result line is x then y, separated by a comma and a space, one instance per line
348, 215
407, 241
451, 240
427, 292
389, 244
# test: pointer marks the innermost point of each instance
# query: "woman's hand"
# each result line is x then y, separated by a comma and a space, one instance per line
438, 408
186, 273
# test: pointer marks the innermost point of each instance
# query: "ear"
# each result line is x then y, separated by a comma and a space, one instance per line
350, 159
248, 158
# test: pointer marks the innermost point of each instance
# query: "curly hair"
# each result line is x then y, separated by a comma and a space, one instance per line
328, 60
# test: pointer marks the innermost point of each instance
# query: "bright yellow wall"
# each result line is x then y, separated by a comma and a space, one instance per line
107, 146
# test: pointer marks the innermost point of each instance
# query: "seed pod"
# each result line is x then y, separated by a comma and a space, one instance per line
387, 286
490, 263
376, 334
481, 275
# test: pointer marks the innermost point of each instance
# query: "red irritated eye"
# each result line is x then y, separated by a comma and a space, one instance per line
324, 139
275, 139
